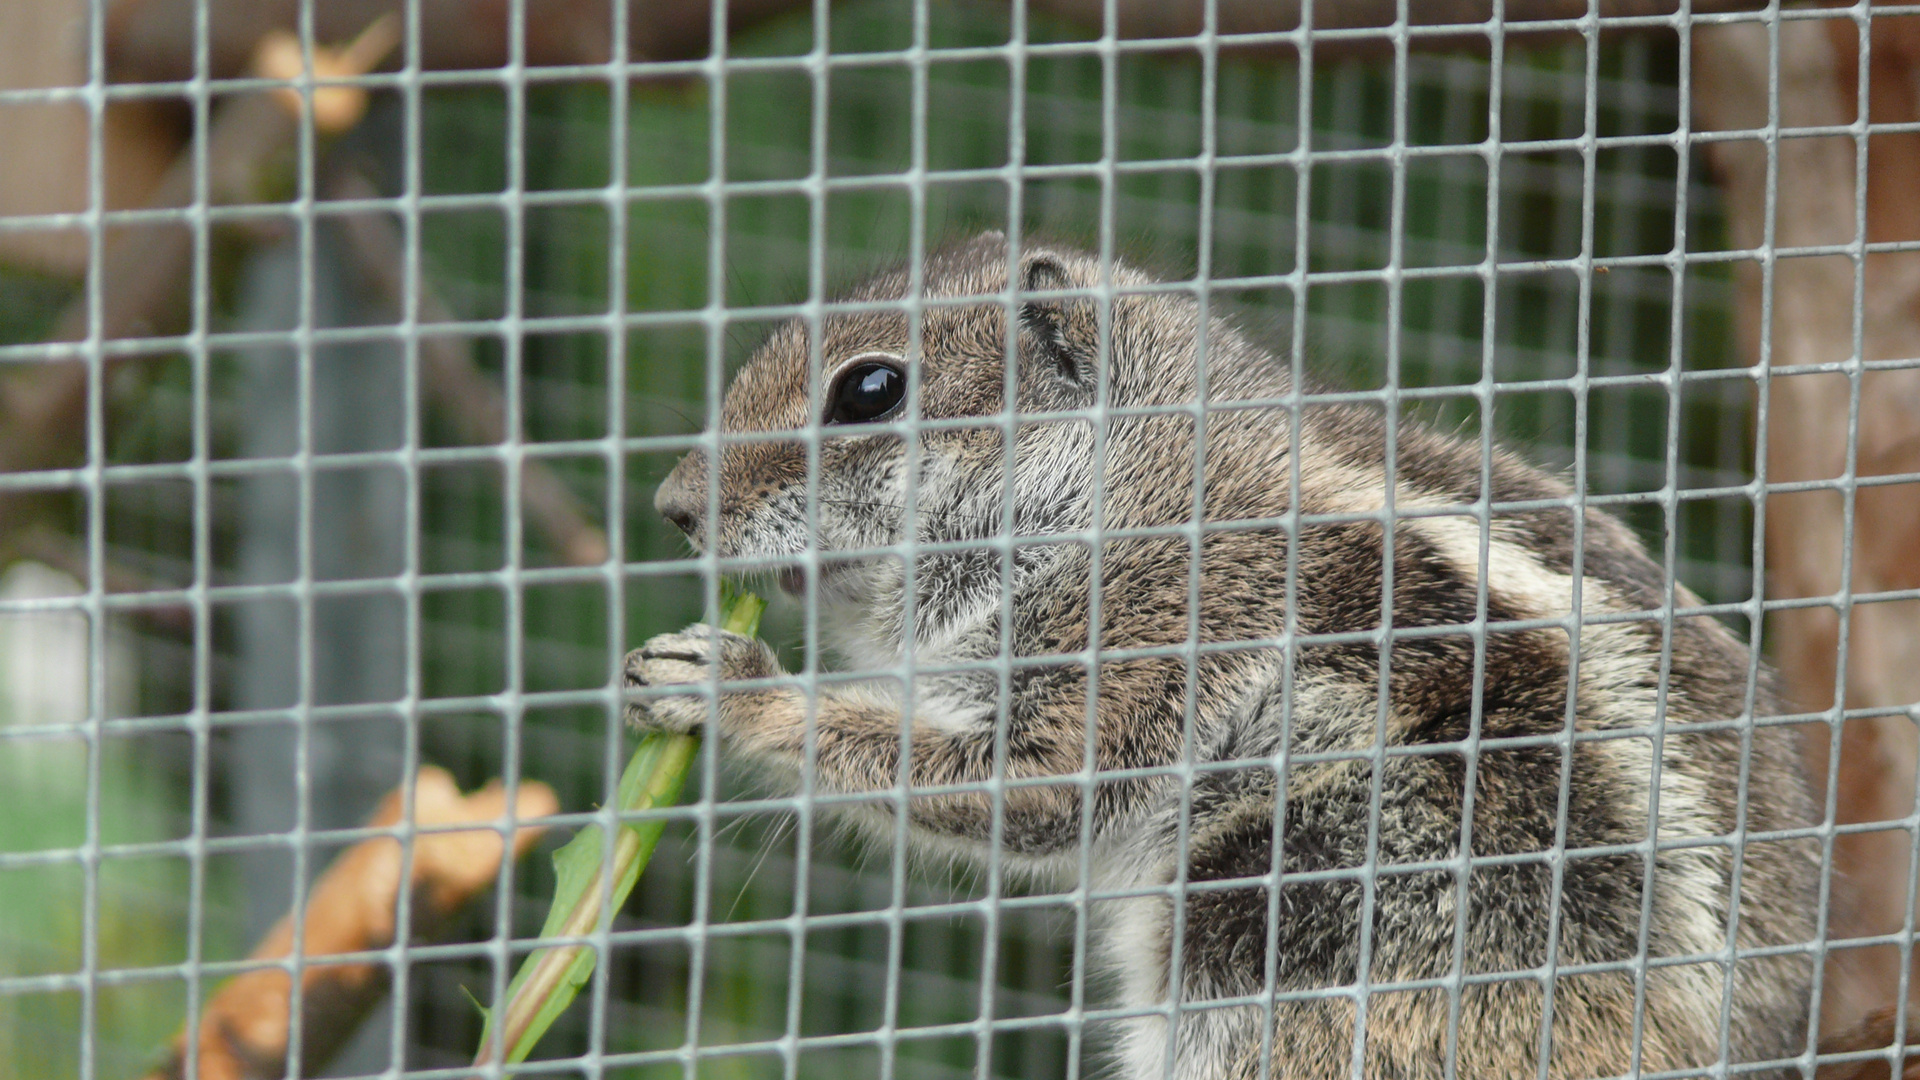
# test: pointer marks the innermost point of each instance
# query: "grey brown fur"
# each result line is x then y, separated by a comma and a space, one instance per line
1369, 840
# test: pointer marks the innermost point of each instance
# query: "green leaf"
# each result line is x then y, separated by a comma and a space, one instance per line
549, 979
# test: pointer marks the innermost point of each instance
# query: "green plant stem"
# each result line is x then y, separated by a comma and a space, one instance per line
551, 978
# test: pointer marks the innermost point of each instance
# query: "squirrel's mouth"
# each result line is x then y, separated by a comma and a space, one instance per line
835, 579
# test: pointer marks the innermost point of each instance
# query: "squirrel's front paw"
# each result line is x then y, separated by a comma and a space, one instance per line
688, 659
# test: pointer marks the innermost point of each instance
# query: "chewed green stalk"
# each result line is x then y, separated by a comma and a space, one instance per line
549, 979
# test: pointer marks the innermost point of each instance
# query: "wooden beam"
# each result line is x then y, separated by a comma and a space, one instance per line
1813, 302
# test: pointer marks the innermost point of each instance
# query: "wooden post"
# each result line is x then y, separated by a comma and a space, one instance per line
1813, 301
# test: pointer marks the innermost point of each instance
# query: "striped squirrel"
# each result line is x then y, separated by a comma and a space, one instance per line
1432, 823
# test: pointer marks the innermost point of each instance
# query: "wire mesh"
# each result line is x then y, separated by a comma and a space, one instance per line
324, 583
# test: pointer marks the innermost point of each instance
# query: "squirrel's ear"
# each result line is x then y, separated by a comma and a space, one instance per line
1044, 319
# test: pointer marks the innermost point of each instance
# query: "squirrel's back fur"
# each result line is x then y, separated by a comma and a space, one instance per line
1540, 752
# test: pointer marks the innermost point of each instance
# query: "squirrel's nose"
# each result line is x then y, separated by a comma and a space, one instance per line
679, 505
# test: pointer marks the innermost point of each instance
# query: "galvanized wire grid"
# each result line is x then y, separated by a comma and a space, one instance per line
1424, 225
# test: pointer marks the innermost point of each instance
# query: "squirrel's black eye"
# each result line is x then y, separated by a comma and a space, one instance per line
865, 391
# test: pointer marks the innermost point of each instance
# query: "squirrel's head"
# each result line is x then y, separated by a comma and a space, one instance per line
847, 403
1031, 384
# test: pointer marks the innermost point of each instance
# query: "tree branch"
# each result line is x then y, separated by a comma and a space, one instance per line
455, 383
142, 277
353, 907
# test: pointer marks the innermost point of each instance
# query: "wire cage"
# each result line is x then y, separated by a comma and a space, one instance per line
332, 517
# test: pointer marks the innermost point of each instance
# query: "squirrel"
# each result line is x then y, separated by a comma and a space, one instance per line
1140, 651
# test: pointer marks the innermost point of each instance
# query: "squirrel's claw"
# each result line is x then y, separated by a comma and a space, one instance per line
687, 658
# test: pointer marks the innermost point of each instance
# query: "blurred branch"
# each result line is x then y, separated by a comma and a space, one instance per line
141, 280
455, 383
153, 40
51, 144
145, 272
353, 907
142, 277
1807, 195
